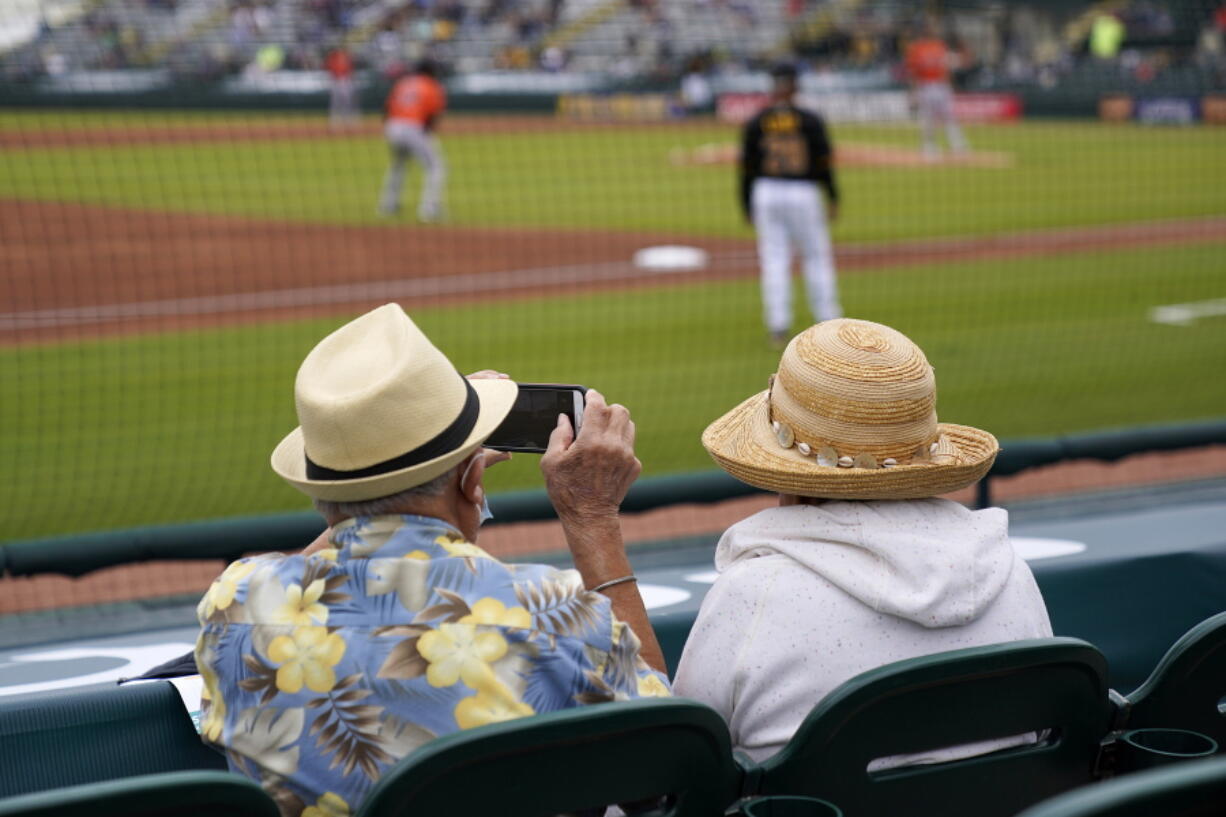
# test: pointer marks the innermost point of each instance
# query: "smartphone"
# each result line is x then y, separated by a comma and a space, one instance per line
535, 415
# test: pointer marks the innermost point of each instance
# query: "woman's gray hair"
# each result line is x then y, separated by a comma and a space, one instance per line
402, 502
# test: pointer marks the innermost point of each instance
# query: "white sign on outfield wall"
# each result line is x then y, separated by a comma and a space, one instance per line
875, 106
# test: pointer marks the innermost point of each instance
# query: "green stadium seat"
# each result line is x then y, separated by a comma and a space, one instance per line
1192, 789
1187, 687
1055, 687
177, 794
569, 761
48, 741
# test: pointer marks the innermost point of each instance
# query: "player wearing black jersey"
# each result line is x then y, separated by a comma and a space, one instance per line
785, 156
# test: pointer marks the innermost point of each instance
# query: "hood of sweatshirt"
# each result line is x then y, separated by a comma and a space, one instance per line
930, 561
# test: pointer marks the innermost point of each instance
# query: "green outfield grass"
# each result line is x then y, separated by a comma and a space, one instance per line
169, 427
1064, 173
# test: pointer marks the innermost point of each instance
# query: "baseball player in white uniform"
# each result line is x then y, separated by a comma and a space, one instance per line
785, 157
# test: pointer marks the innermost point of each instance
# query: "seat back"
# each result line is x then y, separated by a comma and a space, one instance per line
569, 761
177, 794
83, 736
1192, 789
1187, 687
1055, 687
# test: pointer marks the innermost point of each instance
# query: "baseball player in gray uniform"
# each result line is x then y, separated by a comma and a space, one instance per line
414, 106
927, 63
785, 157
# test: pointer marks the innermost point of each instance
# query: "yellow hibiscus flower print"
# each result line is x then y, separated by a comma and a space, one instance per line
492, 611
302, 607
459, 652
213, 704
329, 805
418, 554
650, 686
306, 656
491, 705
329, 555
458, 547
223, 589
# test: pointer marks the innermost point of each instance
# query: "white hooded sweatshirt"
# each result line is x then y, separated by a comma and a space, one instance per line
809, 596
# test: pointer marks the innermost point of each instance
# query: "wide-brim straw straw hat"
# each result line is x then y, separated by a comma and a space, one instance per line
851, 414
382, 410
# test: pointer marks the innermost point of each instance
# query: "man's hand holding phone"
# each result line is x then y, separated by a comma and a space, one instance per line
587, 476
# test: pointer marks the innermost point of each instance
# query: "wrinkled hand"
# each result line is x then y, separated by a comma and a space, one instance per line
492, 457
587, 477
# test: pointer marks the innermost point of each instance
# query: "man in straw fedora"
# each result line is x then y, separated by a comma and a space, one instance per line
862, 563
324, 668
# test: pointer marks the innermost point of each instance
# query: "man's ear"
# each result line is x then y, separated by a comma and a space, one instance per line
470, 478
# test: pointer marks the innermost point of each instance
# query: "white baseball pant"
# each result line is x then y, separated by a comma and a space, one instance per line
790, 213
934, 103
407, 139
343, 101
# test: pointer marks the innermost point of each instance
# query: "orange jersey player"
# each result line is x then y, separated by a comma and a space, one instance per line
927, 66
417, 99
927, 60
414, 106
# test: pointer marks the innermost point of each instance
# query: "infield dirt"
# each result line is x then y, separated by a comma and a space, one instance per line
70, 265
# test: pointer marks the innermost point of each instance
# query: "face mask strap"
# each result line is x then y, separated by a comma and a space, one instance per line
483, 506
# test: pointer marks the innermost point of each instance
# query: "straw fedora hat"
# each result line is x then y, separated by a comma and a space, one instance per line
851, 414
382, 410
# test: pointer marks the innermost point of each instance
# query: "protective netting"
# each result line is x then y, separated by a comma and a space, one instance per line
181, 219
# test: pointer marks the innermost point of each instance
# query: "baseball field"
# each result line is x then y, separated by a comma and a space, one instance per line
164, 274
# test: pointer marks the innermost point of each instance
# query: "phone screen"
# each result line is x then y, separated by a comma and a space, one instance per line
535, 415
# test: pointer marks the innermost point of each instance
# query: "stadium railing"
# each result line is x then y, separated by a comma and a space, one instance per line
228, 539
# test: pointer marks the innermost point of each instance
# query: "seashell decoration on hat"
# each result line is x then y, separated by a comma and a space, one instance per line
850, 399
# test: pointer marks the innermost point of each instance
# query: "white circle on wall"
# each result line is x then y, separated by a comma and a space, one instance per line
1034, 548
705, 577
656, 596
670, 258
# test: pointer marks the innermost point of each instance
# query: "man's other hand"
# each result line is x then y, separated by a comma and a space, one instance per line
492, 457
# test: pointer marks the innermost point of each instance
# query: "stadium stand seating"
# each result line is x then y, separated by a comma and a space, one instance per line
1187, 687
177, 794
1194, 789
86, 736
133, 750
1055, 687
591, 756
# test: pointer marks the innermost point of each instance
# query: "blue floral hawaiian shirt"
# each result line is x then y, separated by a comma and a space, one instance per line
320, 672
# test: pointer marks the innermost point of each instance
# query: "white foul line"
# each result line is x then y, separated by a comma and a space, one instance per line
1187, 314
471, 283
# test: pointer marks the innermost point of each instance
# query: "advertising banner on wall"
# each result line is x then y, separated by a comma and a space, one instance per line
615, 107
1168, 110
987, 107
873, 106
1164, 110
1213, 110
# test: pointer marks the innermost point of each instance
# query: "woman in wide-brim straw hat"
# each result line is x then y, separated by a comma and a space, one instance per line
862, 563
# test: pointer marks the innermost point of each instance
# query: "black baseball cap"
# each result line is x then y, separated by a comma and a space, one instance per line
784, 70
